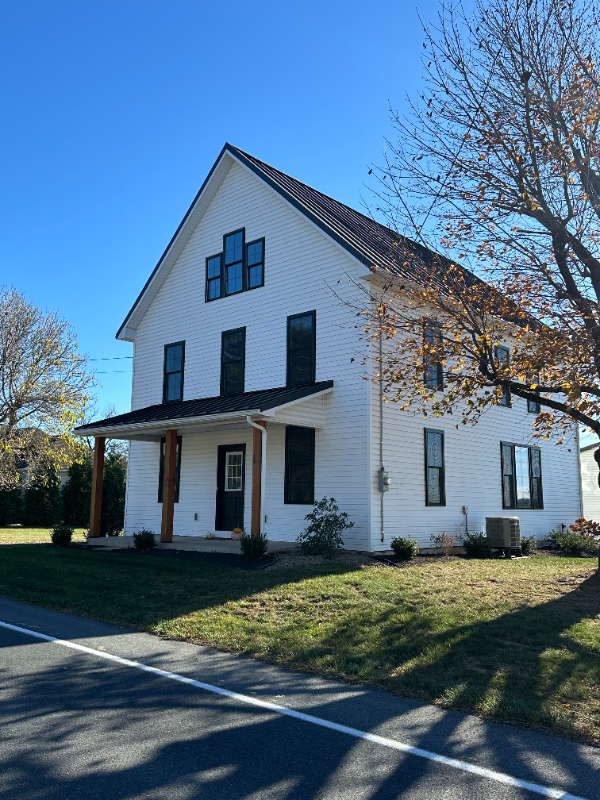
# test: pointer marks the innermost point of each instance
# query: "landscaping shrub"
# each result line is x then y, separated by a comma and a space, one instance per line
476, 545
443, 543
405, 549
61, 535
144, 540
578, 539
253, 547
324, 534
527, 545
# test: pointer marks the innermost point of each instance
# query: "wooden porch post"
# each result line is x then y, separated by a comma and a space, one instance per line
97, 478
168, 509
257, 456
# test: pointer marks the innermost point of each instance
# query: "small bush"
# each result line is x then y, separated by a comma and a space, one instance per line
575, 540
144, 540
253, 547
324, 534
476, 545
404, 549
527, 545
61, 535
443, 543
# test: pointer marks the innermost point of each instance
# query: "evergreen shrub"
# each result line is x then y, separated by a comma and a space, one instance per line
404, 549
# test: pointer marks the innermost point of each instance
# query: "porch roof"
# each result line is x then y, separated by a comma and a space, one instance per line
155, 419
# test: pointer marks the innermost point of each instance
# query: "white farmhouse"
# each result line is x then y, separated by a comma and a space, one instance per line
249, 400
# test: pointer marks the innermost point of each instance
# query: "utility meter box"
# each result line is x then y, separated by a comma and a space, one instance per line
384, 480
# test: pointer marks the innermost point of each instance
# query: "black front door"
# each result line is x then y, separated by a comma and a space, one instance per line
230, 487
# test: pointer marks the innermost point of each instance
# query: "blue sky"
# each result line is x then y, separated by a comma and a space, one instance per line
113, 113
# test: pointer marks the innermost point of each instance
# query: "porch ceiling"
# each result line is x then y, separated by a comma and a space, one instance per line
188, 416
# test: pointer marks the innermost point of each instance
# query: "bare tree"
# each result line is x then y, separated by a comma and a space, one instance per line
44, 385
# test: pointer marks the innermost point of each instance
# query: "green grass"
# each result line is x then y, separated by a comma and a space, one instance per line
15, 534
516, 641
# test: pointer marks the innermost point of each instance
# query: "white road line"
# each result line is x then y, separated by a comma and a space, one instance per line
464, 766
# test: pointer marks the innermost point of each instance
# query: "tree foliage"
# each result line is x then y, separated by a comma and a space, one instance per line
44, 385
497, 167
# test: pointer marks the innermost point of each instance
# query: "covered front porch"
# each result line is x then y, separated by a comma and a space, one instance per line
203, 467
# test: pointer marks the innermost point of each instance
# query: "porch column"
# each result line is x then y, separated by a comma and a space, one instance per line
168, 509
97, 478
257, 487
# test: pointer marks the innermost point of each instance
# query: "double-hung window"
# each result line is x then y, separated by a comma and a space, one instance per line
299, 482
233, 347
435, 479
173, 372
434, 372
213, 277
161, 468
234, 262
255, 260
301, 348
521, 476
503, 356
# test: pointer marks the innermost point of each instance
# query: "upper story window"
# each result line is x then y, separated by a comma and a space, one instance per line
173, 372
503, 356
233, 357
239, 267
434, 371
301, 348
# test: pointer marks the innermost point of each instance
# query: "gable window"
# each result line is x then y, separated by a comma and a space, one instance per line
233, 357
255, 259
521, 476
435, 479
173, 372
239, 267
234, 268
213, 277
434, 373
301, 348
299, 483
161, 468
503, 356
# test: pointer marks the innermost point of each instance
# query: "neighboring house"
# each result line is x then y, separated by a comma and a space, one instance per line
250, 317
590, 492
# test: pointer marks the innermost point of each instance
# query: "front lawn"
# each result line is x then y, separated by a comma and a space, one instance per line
16, 534
517, 641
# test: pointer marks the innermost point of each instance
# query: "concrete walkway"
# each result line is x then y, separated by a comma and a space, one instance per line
196, 543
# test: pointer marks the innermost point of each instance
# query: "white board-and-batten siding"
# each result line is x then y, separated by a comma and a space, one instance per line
589, 484
302, 270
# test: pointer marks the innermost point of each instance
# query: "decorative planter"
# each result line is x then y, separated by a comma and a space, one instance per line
236, 535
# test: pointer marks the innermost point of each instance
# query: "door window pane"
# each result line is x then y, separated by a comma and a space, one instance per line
233, 472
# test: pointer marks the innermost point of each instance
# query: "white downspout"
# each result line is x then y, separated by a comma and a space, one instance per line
263, 470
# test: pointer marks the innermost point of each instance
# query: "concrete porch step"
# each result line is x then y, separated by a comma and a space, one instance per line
196, 543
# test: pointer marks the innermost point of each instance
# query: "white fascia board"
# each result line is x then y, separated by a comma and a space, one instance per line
157, 426
271, 411
195, 214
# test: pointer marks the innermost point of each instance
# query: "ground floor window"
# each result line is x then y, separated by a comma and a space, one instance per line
521, 476
161, 469
299, 465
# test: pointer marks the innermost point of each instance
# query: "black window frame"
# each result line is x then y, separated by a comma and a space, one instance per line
292, 317
248, 266
161, 468
535, 490
241, 262
506, 397
290, 432
223, 335
442, 469
437, 382
208, 298
166, 374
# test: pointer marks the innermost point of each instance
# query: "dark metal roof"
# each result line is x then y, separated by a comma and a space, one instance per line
262, 400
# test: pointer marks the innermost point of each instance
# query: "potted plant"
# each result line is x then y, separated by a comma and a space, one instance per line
237, 533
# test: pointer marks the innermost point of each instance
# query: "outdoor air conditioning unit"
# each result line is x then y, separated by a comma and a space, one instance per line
503, 532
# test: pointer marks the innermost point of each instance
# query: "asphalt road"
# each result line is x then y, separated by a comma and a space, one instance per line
74, 725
